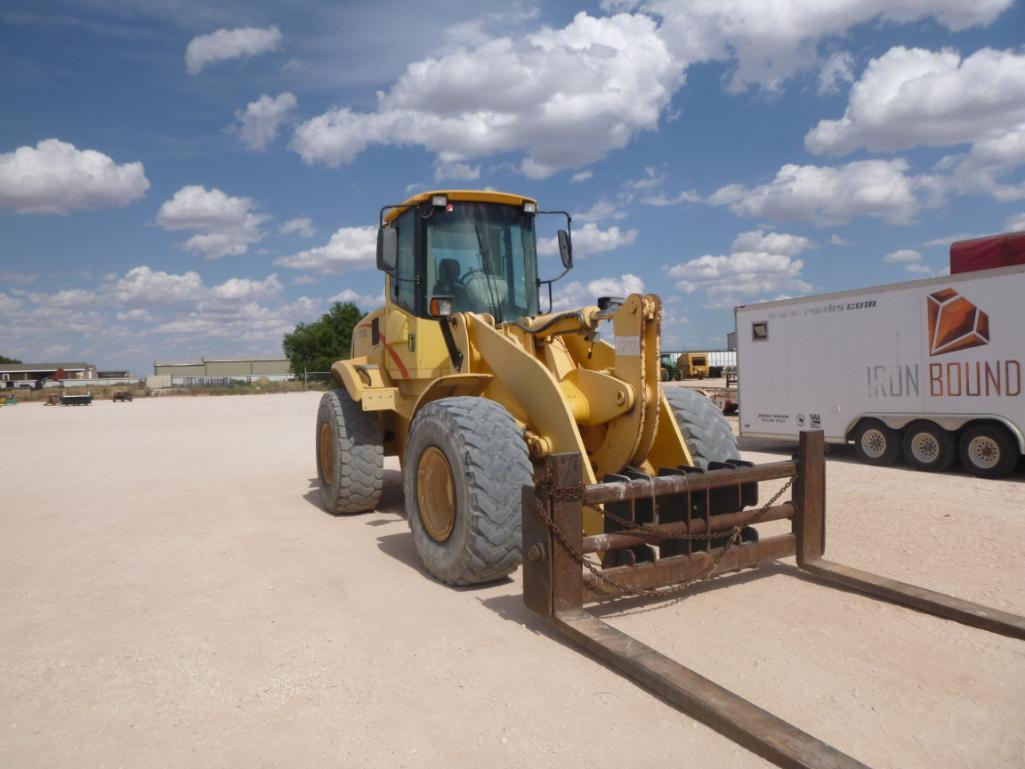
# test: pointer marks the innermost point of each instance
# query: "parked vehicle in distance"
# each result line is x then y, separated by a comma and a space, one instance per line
669, 371
930, 370
693, 365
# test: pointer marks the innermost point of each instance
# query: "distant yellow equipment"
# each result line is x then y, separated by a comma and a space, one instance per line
693, 365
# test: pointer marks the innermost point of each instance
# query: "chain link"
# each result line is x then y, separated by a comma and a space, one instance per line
615, 588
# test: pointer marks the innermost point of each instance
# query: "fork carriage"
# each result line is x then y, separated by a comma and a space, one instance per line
679, 537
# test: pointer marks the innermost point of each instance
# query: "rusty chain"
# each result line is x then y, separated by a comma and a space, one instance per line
575, 492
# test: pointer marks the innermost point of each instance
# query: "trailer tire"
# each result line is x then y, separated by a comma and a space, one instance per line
350, 455
988, 450
466, 521
876, 444
929, 447
664, 374
705, 430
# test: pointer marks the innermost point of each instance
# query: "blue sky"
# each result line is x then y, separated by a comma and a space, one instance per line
181, 180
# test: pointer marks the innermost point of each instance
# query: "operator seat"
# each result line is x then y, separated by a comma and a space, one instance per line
448, 283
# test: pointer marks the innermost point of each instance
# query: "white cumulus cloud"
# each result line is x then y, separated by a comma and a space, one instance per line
577, 294
227, 44
769, 41
902, 255
145, 286
71, 297
828, 195
1015, 223
259, 123
226, 225
603, 78
772, 242
836, 70
363, 301
759, 265
591, 239
55, 177
910, 97
348, 248
238, 289
301, 225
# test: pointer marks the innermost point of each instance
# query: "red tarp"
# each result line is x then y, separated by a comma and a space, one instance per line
987, 253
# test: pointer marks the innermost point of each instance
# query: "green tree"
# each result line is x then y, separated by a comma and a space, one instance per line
5, 359
315, 346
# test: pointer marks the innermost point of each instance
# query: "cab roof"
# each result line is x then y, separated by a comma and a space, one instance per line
475, 196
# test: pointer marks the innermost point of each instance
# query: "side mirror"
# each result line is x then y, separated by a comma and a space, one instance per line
565, 249
387, 249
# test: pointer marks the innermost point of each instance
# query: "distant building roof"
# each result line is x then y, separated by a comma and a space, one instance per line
35, 368
201, 361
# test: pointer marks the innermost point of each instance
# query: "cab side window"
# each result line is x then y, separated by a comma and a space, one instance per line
404, 291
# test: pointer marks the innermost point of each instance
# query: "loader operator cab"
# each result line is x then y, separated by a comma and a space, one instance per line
457, 252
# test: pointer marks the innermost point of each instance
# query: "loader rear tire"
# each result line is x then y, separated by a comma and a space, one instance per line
350, 455
467, 527
705, 430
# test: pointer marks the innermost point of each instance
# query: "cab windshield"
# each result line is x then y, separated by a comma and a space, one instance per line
482, 255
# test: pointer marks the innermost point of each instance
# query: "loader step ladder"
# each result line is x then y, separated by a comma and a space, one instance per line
556, 583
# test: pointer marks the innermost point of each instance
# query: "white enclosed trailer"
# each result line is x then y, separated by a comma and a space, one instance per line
931, 370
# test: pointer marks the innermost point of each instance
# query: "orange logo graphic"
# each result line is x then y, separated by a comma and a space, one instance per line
955, 323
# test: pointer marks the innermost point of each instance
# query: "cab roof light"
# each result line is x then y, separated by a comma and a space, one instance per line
529, 207
439, 201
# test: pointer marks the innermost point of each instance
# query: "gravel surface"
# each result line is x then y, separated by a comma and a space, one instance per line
174, 596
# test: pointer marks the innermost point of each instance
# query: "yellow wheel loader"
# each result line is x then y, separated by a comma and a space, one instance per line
539, 433
464, 379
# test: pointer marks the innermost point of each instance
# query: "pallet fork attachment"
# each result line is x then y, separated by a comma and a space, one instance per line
555, 584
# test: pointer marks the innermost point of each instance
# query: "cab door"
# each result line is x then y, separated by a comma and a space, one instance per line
414, 347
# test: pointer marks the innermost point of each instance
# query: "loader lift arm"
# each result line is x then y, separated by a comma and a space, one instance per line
555, 584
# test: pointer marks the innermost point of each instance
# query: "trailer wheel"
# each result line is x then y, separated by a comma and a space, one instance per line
465, 469
350, 455
988, 450
705, 430
875, 443
664, 374
927, 446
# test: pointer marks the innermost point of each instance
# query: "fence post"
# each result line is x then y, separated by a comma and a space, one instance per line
810, 497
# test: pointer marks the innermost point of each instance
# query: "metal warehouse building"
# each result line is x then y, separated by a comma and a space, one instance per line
236, 368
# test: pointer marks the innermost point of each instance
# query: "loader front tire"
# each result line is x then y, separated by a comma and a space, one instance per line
705, 430
350, 455
465, 468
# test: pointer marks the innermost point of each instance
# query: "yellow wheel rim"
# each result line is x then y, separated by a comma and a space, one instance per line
436, 494
326, 452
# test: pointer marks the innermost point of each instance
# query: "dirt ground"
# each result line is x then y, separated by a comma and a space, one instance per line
173, 596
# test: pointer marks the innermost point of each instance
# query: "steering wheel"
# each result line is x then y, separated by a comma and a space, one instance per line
466, 276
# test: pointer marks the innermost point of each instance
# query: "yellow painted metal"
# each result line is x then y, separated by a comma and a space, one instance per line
628, 437
668, 449
530, 383
380, 398
651, 309
344, 372
436, 494
452, 386
473, 196
567, 389
693, 365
